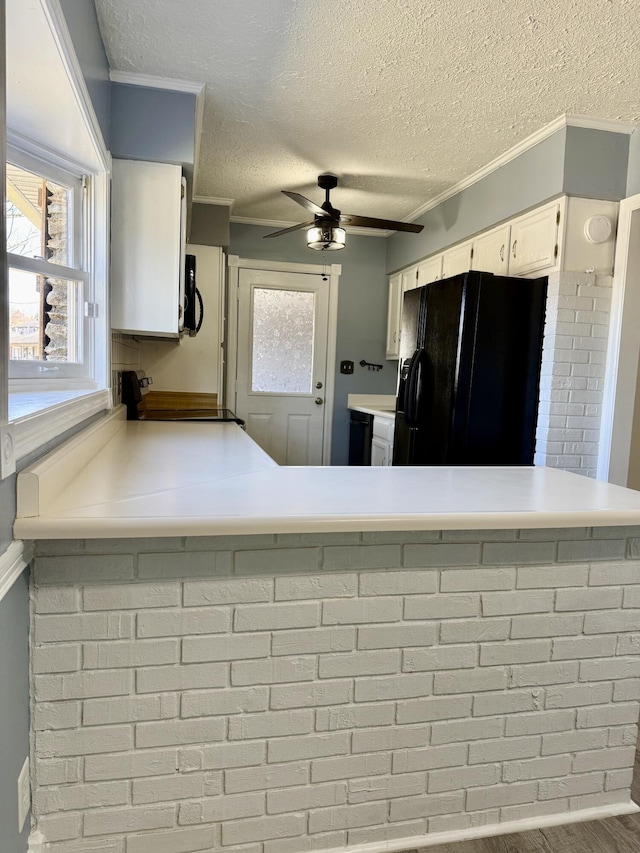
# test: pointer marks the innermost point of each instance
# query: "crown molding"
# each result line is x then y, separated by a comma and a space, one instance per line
197, 142
221, 202
149, 81
610, 125
540, 135
267, 223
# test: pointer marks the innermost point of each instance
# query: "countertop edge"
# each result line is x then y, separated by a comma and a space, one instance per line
136, 527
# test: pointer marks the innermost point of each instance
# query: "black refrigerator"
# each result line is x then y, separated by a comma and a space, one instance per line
469, 371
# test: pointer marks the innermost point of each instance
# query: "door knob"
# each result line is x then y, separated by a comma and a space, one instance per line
319, 401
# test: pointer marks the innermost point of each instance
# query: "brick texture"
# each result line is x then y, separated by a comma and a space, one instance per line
314, 692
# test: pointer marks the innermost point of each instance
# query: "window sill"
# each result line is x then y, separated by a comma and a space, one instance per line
38, 417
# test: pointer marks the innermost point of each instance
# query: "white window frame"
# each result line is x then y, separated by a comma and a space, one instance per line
44, 405
50, 407
55, 373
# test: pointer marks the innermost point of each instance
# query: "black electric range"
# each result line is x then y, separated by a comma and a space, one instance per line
135, 384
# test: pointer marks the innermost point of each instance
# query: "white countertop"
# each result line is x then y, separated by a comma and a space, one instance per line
134, 478
379, 405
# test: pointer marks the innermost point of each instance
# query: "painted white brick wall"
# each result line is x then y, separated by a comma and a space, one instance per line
354, 690
573, 371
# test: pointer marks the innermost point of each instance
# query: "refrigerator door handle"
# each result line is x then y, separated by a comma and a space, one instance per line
413, 388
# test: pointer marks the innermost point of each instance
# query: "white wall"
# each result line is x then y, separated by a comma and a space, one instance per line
192, 364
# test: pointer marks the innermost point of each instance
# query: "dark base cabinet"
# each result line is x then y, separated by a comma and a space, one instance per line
360, 433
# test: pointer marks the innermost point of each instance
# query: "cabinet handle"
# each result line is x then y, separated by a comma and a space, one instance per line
395, 335
502, 252
513, 248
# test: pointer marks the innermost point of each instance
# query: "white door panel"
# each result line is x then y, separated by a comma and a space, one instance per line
282, 362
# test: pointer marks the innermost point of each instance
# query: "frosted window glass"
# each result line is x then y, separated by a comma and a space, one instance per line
282, 347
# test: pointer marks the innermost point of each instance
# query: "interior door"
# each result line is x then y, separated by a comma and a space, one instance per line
283, 320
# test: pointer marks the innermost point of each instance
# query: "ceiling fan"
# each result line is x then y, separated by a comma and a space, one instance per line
325, 231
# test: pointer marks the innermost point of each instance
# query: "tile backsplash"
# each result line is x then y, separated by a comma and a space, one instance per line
125, 355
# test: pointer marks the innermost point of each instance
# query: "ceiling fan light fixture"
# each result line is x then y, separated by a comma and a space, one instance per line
326, 237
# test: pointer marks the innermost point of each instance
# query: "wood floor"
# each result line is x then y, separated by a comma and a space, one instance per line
613, 835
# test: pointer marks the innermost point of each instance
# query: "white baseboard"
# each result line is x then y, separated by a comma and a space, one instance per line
492, 829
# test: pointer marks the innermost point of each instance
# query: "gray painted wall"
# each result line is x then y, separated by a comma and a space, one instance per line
576, 161
633, 175
210, 225
362, 312
527, 180
153, 124
82, 22
595, 163
14, 709
14, 607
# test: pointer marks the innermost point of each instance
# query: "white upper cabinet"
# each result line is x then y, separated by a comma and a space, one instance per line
147, 248
409, 280
429, 270
394, 315
491, 251
456, 260
534, 240
566, 234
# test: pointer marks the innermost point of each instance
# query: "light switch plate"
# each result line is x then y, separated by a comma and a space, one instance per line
24, 794
7, 451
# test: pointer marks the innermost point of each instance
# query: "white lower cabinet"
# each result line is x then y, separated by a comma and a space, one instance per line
382, 441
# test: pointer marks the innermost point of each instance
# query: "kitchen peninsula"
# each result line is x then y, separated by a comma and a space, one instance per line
229, 654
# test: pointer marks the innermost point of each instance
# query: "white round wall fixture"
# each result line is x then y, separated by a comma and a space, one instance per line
597, 229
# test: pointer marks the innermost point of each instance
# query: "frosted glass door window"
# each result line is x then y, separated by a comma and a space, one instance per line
282, 344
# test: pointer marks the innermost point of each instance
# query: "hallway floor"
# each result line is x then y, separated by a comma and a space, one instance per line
612, 835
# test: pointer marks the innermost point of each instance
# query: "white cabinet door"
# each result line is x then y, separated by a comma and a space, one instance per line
379, 451
534, 240
147, 248
491, 251
429, 270
456, 260
394, 315
409, 279
382, 441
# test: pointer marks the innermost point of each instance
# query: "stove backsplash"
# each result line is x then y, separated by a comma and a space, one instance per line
125, 355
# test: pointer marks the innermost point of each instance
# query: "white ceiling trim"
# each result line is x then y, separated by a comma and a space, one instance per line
205, 199
149, 81
197, 142
539, 136
611, 125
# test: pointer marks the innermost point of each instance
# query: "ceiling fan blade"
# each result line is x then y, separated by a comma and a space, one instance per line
311, 206
369, 222
288, 230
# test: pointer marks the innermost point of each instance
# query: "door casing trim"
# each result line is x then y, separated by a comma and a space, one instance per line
621, 375
333, 272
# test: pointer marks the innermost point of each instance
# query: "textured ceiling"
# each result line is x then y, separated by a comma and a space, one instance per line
400, 98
